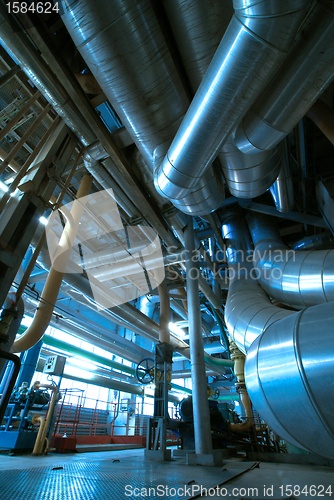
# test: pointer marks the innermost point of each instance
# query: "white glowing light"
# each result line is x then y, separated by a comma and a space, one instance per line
3, 187
176, 329
43, 220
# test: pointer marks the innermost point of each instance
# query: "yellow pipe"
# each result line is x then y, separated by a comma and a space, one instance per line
239, 370
38, 444
52, 285
41, 436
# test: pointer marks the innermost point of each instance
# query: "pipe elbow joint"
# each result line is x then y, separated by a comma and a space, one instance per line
254, 135
172, 184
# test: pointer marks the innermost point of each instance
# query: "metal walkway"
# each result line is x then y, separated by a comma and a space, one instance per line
107, 479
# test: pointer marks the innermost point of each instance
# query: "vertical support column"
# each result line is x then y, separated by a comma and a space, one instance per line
203, 443
29, 363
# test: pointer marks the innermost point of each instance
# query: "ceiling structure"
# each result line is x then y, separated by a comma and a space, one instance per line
182, 108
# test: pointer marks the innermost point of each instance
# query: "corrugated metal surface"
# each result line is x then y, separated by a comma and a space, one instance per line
104, 479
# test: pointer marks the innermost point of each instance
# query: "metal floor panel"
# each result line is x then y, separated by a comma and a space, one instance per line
106, 480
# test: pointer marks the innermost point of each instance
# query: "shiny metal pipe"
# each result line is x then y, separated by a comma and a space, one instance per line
207, 197
305, 74
249, 176
254, 43
198, 27
24, 53
248, 310
282, 189
321, 241
298, 279
202, 428
125, 49
289, 375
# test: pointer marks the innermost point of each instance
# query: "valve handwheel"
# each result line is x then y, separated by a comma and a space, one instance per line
216, 394
145, 371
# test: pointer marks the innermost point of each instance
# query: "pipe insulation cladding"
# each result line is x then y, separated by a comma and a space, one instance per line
253, 46
299, 279
302, 78
289, 377
289, 370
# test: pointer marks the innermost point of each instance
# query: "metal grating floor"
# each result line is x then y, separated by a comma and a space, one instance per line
106, 480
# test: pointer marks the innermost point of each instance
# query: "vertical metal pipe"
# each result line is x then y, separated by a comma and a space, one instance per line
203, 443
29, 364
10, 386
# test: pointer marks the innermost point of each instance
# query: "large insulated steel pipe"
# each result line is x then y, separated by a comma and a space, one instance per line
289, 377
298, 279
202, 428
125, 49
248, 310
255, 42
306, 72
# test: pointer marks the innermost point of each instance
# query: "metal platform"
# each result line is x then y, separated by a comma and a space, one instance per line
107, 479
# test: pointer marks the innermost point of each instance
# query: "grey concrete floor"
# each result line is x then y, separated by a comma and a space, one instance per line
281, 479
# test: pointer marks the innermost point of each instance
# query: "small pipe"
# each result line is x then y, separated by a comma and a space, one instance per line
239, 369
52, 285
38, 443
41, 436
41, 241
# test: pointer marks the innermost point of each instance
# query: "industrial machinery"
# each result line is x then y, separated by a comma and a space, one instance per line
17, 430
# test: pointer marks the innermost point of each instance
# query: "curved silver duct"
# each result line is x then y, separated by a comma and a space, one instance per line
248, 310
321, 241
282, 189
254, 44
299, 279
24, 53
305, 74
123, 45
289, 377
249, 176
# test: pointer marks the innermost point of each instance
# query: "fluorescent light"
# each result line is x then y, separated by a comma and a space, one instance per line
176, 329
43, 220
3, 187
